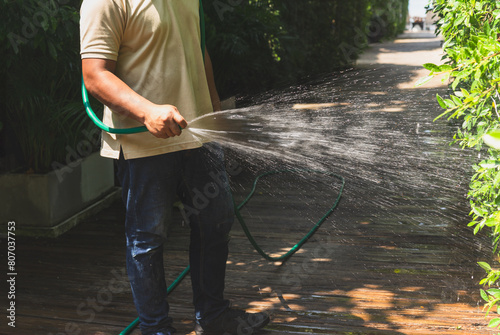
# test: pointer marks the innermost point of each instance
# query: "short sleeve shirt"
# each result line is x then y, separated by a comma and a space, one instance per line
156, 46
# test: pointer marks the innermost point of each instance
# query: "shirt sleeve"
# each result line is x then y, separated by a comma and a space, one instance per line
102, 23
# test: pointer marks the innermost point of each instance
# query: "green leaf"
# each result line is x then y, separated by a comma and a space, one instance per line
487, 28
474, 22
423, 81
491, 222
490, 306
445, 68
495, 292
449, 103
492, 139
494, 323
432, 67
476, 229
484, 295
485, 266
441, 101
460, 20
456, 100
465, 92
478, 74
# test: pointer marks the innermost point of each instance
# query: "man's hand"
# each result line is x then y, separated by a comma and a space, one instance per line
163, 121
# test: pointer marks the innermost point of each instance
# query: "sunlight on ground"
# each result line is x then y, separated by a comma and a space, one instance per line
407, 52
397, 106
321, 260
320, 105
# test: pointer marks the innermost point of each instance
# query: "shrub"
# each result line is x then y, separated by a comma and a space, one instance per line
39, 92
471, 32
260, 44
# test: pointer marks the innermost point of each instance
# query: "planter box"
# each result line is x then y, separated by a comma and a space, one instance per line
50, 204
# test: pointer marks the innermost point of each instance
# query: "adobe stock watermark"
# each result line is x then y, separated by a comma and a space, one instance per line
89, 308
39, 20
372, 30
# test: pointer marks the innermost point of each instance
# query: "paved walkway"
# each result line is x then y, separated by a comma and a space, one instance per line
410, 49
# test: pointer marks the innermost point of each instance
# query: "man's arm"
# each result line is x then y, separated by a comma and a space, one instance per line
211, 83
162, 121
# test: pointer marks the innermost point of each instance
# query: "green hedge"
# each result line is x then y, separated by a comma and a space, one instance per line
40, 100
471, 29
260, 44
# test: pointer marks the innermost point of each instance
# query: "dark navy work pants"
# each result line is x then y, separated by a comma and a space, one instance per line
150, 187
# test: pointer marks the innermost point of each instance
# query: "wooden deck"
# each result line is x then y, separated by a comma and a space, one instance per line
358, 275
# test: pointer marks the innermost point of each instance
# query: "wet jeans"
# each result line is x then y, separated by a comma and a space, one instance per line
150, 187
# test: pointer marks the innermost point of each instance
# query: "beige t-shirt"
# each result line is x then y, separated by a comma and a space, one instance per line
156, 44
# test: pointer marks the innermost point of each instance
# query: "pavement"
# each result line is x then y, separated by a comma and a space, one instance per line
408, 49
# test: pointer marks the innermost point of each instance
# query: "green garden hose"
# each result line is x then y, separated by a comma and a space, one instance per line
311, 232
100, 124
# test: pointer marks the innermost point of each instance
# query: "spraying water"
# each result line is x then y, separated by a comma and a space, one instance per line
383, 143
405, 183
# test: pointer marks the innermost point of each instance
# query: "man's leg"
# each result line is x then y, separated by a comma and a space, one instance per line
207, 199
210, 207
149, 186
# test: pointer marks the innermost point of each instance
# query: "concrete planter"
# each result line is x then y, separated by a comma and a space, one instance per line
50, 204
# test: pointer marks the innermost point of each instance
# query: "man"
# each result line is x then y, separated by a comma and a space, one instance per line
142, 59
